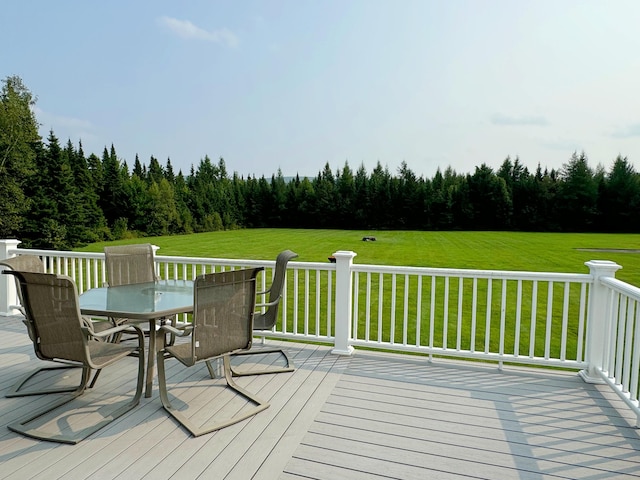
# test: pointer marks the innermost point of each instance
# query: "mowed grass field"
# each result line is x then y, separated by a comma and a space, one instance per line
540, 252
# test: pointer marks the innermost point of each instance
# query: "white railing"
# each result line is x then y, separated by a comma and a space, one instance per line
620, 342
520, 317
587, 322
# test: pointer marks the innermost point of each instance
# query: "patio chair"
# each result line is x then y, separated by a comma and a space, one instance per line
127, 265
51, 306
222, 324
30, 263
263, 322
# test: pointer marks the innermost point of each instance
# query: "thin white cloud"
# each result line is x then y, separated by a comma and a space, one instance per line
562, 145
627, 132
65, 127
46, 118
499, 119
186, 29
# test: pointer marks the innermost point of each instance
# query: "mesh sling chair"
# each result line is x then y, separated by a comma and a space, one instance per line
264, 322
30, 263
222, 324
130, 264
51, 305
126, 265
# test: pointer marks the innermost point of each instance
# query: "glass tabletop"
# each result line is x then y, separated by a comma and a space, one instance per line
141, 301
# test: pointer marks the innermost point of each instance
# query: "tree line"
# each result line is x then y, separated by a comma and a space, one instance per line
56, 196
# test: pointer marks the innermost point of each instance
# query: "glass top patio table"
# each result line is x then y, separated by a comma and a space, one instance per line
141, 301
138, 303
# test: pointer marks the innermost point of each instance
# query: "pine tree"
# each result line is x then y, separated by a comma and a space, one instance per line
94, 228
54, 221
19, 142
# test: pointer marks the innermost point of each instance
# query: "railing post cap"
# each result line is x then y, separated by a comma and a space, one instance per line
345, 254
11, 241
603, 266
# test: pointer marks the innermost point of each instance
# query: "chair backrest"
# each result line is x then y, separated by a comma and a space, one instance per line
51, 303
267, 320
23, 263
223, 311
129, 264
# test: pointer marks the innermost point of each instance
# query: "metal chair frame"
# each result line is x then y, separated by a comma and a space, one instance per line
31, 263
51, 306
224, 305
263, 322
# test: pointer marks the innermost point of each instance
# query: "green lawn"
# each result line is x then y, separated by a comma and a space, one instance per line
541, 252
551, 252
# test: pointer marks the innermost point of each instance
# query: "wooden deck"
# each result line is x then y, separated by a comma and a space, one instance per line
370, 416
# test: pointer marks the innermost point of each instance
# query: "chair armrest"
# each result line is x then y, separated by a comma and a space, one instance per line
264, 292
180, 332
110, 331
268, 304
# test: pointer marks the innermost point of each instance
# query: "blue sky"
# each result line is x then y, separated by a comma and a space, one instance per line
292, 85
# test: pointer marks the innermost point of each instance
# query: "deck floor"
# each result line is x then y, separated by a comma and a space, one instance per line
369, 416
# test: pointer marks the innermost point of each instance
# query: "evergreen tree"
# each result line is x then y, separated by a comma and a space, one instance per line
162, 214
185, 218
113, 198
94, 225
96, 175
19, 142
438, 203
301, 203
137, 169
278, 215
380, 198
168, 172
489, 199
345, 198
137, 192
324, 187
620, 198
409, 199
54, 221
155, 173
362, 212
577, 196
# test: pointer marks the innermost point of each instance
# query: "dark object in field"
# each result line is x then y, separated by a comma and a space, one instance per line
368, 239
332, 259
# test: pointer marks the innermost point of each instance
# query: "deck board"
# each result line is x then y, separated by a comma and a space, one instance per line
373, 415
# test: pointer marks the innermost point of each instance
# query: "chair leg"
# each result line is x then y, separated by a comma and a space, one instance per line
21, 426
289, 367
196, 430
15, 390
95, 378
212, 369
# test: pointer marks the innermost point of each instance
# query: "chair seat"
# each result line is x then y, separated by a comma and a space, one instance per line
105, 353
182, 353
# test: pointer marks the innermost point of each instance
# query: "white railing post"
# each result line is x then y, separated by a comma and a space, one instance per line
344, 297
598, 319
8, 292
156, 265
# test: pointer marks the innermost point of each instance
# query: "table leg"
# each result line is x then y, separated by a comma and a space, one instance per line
151, 361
